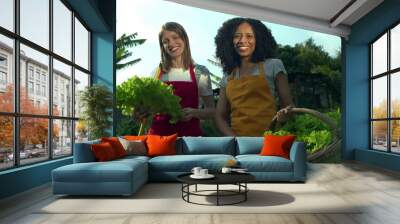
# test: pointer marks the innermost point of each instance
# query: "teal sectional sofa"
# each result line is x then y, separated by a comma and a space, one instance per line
125, 176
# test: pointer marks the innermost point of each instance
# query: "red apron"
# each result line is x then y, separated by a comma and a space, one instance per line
188, 92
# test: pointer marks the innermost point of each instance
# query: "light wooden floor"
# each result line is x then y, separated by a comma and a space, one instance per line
377, 188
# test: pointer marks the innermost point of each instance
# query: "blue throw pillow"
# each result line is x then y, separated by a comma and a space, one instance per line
249, 145
208, 145
83, 153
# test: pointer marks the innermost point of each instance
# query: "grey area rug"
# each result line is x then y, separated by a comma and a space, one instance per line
166, 198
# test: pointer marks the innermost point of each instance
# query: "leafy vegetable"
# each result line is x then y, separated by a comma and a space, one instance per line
316, 140
148, 96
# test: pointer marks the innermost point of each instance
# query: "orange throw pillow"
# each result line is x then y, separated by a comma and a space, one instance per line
161, 145
277, 145
135, 138
116, 145
103, 151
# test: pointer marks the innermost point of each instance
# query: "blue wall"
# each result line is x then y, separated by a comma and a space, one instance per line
356, 92
100, 16
24, 178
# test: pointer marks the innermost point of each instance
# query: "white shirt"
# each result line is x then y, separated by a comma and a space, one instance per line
179, 74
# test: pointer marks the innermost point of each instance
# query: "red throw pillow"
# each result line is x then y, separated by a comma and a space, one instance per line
161, 145
103, 151
116, 145
277, 145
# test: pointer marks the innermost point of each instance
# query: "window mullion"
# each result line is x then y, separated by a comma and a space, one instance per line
371, 89
73, 82
50, 81
389, 106
16, 83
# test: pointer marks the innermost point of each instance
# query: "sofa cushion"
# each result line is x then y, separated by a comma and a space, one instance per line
208, 145
118, 177
83, 153
134, 147
135, 137
161, 145
103, 151
275, 145
185, 163
116, 145
129, 158
249, 145
112, 171
257, 163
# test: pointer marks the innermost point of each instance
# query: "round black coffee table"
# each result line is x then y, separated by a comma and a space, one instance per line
238, 179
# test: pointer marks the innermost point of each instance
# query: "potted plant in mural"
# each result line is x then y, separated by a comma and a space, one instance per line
143, 98
96, 102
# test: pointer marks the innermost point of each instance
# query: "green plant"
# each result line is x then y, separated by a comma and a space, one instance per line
209, 129
316, 140
126, 125
279, 133
124, 45
147, 97
97, 103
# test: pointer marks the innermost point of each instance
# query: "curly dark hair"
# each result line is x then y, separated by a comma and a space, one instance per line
225, 51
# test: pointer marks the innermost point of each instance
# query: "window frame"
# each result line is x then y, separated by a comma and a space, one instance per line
51, 118
388, 74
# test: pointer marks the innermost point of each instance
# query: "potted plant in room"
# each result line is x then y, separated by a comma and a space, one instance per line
96, 102
145, 97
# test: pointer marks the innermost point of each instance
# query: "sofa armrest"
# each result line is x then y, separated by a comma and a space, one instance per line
298, 156
83, 152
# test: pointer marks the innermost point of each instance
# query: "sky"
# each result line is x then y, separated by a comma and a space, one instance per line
147, 17
35, 27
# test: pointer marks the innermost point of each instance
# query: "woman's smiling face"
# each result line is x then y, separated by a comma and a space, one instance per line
244, 40
173, 44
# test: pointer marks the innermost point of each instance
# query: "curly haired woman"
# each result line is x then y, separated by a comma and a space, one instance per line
252, 81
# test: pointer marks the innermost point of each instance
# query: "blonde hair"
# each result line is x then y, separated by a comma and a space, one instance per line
166, 62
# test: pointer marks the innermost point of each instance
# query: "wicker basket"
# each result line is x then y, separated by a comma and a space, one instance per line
336, 141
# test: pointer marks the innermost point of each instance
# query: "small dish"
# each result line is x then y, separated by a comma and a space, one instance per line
208, 176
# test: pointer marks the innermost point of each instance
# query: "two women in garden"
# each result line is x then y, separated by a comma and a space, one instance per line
252, 80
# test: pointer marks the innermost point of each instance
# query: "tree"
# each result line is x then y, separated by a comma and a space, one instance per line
311, 59
380, 127
33, 130
215, 79
124, 45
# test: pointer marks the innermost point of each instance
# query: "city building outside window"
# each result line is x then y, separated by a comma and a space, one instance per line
43, 90
30, 72
35, 53
38, 89
3, 61
3, 71
30, 87
3, 78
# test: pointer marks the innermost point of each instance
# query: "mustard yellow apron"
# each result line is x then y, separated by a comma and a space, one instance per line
251, 101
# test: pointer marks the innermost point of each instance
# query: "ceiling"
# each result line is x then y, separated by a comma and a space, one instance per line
327, 16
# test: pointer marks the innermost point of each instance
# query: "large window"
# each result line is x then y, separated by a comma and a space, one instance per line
44, 64
385, 91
